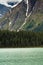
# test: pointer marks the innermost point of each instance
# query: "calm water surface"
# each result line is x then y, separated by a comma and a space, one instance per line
21, 56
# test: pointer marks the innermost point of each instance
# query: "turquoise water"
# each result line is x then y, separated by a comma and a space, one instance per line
21, 56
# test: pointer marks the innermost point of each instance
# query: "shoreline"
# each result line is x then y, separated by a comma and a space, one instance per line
20, 47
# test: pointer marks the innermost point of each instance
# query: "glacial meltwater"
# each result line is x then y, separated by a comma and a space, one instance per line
21, 56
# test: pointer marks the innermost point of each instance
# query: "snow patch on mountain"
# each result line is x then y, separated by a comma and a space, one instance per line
5, 2
0, 15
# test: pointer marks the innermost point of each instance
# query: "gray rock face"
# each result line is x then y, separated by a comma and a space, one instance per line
15, 17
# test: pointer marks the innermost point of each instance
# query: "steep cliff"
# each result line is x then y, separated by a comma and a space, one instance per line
14, 17
35, 21
27, 15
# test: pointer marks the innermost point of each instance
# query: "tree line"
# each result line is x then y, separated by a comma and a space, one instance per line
20, 39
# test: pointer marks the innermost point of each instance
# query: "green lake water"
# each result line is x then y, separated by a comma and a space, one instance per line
21, 56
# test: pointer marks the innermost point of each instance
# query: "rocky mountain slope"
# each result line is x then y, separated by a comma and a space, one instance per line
27, 15
6, 5
35, 22
13, 19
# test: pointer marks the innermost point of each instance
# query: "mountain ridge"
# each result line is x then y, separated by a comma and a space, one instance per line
16, 16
